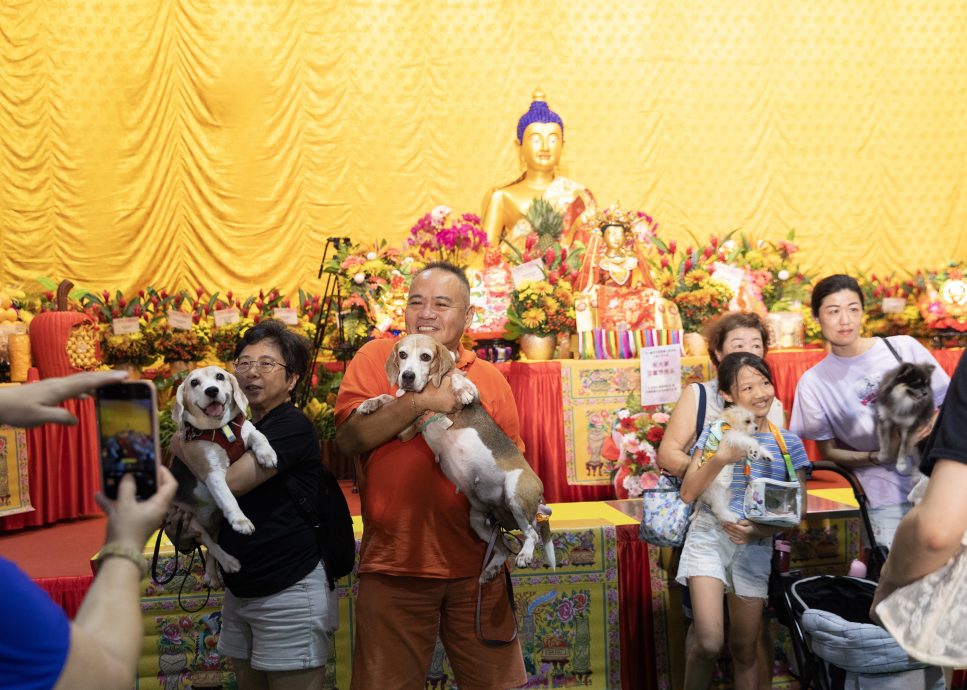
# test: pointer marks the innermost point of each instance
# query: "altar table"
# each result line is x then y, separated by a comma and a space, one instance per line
573, 622
553, 397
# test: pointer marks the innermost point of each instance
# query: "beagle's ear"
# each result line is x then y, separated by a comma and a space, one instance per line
393, 366
441, 365
241, 402
178, 409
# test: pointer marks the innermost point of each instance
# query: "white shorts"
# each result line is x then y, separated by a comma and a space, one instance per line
286, 631
708, 552
885, 520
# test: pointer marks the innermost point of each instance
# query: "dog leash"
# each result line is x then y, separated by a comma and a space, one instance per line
174, 571
491, 544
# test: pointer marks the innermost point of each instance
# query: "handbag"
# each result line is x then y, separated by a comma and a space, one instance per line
774, 502
665, 515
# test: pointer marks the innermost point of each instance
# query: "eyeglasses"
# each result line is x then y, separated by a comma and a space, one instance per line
265, 365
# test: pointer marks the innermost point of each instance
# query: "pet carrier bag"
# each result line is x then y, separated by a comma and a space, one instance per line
774, 502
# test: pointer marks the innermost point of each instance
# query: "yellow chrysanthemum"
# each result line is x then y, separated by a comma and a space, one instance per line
532, 318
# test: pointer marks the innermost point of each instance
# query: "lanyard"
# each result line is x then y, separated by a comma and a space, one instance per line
774, 430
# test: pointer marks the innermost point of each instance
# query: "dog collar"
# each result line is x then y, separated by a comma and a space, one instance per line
429, 420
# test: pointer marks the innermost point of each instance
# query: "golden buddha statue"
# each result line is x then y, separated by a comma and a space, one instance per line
540, 140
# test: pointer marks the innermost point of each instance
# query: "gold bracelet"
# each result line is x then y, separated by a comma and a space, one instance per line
134, 555
419, 413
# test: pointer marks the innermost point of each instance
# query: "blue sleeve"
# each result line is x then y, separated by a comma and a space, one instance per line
702, 440
797, 452
35, 641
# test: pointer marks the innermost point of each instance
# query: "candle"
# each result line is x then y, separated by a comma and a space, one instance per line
18, 349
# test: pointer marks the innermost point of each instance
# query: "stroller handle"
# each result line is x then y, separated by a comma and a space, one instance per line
877, 553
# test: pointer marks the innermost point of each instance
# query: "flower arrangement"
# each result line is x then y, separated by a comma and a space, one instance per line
540, 308
943, 296
183, 345
224, 339
772, 274
544, 244
904, 315
637, 436
687, 280
437, 236
132, 348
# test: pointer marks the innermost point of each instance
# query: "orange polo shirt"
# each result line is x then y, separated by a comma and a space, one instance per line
416, 524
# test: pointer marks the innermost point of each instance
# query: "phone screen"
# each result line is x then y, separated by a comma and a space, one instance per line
127, 423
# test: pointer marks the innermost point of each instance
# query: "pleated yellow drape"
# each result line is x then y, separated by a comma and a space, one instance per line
183, 143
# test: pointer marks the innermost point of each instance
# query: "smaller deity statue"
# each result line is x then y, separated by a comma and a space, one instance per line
615, 280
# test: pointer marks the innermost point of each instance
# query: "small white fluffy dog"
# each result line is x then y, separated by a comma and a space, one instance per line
473, 452
735, 427
212, 432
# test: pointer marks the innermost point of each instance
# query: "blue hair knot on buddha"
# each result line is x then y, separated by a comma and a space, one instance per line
538, 112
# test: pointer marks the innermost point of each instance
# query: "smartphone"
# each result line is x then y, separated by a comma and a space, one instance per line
127, 423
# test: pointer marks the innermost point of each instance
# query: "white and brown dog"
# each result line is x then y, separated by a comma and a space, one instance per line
212, 433
736, 427
474, 453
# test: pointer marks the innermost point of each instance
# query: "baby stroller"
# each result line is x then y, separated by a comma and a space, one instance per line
834, 643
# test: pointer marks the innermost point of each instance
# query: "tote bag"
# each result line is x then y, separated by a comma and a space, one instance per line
665, 515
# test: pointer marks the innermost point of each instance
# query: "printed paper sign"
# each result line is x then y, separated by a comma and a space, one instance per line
179, 320
730, 275
528, 273
225, 317
126, 326
894, 305
286, 315
661, 374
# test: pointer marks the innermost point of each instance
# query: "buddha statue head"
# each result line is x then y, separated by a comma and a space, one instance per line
540, 134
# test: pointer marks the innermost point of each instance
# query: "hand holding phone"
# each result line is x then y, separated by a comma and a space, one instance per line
127, 421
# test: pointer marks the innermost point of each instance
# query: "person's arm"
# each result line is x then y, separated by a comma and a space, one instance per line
679, 435
930, 534
850, 459
37, 403
699, 477
361, 433
106, 635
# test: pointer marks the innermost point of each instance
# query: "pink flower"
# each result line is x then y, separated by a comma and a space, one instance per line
660, 418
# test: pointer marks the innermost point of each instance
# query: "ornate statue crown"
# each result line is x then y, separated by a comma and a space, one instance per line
614, 215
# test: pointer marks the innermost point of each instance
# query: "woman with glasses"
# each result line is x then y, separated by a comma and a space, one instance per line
278, 608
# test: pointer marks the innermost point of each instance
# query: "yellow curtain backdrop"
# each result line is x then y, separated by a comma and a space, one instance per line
181, 143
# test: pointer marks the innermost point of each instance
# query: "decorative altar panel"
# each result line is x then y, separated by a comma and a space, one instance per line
14, 487
568, 619
592, 391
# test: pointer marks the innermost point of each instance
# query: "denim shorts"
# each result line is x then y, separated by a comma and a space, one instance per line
286, 631
708, 552
885, 520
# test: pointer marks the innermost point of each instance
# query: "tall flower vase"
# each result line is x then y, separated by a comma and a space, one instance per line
538, 348
620, 492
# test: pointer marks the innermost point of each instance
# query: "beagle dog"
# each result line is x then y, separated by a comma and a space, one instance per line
212, 433
474, 453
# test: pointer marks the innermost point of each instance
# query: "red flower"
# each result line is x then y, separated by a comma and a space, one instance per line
655, 434
671, 247
530, 241
627, 424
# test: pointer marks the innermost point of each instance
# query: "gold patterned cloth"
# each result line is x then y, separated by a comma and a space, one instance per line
219, 143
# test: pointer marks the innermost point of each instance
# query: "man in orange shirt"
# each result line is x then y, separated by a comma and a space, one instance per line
420, 559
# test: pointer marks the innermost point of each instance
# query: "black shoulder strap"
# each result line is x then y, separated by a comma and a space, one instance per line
700, 417
892, 349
